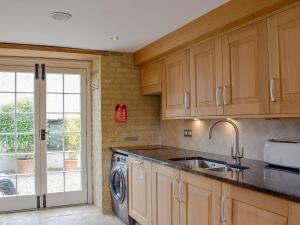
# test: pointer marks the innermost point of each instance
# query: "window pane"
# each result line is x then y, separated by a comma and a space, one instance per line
72, 83
25, 143
72, 142
73, 181
25, 163
7, 123
8, 164
55, 161
10, 185
7, 144
25, 103
55, 182
25, 82
7, 82
7, 102
25, 123
54, 83
72, 103
55, 103
72, 123
55, 123
26, 184
72, 161
55, 141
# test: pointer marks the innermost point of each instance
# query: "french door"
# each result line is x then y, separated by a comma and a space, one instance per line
42, 135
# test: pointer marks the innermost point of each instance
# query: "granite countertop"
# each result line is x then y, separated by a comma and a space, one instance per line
278, 183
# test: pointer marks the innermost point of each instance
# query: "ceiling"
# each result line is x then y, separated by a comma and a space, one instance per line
94, 22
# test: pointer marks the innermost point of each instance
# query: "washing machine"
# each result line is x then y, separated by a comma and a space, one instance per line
119, 186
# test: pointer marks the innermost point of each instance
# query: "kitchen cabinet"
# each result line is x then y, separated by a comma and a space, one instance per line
199, 200
151, 75
242, 206
139, 182
176, 86
165, 191
206, 78
284, 61
245, 70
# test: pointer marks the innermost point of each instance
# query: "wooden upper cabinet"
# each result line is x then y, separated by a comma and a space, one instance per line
245, 207
139, 182
165, 205
245, 70
284, 61
176, 86
151, 75
206, 78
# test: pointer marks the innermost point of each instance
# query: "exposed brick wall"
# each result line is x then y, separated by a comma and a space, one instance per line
120, 84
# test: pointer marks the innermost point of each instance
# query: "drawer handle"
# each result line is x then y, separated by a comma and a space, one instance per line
223, 220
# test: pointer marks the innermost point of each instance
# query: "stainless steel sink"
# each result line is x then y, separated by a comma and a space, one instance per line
203, 163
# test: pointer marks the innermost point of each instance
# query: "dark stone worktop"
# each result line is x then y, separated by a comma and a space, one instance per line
278, 183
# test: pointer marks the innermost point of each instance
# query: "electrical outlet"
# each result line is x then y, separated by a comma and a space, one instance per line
189, 133
185, 133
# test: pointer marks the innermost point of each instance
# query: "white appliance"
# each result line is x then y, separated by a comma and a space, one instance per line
284, 153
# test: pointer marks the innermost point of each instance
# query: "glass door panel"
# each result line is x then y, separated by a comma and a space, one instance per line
65, 123
18, 175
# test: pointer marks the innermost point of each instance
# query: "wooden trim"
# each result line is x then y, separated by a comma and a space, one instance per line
40, 51
223, 18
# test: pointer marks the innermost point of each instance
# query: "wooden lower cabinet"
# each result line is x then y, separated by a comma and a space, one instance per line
165, 191
139, 182
199, 200
160, 195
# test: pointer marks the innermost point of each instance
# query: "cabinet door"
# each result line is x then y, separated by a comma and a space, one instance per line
206, 79
176, 86
284, 56
244, 207
140, 190
165, 203
151, 75
245, 70
199, 200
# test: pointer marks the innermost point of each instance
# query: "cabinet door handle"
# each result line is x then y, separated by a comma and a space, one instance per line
226, 95
180, 191
219, 96
173, 189
223, 220
187, 100
138, 162
272, 90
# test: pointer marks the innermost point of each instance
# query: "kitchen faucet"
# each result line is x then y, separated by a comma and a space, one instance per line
237, 156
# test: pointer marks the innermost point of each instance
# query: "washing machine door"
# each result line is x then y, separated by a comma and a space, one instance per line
118, 185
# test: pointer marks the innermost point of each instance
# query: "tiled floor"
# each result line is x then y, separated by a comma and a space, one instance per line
75, 215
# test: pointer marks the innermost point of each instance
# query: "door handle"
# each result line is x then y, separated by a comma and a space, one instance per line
219, 96
223, 220
187, 100
226, 95
272, 90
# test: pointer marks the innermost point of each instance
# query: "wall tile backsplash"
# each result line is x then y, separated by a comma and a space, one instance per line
253, 134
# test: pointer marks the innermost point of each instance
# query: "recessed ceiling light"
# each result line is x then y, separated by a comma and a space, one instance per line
115, 38
61, 16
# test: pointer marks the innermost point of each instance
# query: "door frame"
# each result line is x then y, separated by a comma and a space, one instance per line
63, 63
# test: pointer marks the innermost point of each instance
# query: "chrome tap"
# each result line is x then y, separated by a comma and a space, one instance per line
238, 155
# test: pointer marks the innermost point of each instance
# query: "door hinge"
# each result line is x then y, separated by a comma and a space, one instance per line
43, 71
43, 134
38, 202
44, 201
36, 71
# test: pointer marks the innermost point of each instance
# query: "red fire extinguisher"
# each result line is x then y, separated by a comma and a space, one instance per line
120, 113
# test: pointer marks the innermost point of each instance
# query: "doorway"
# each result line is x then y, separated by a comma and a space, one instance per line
43, 127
